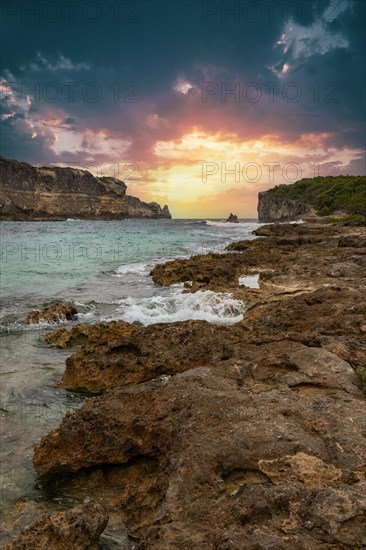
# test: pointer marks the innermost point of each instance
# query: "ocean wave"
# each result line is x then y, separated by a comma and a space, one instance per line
141, 268
247, 225
202, 305
86, 318
17, 327
194, 222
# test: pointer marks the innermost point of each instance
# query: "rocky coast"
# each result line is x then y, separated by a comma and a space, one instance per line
52, 193
207, 436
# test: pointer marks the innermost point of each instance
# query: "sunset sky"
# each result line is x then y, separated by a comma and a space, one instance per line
194, 104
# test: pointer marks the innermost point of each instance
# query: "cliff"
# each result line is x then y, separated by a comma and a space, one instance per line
51, 193
322, 196
272, 208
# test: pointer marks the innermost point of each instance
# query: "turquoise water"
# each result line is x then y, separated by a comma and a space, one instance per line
97, 265
103, 268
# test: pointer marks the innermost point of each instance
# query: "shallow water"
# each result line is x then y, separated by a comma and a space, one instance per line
103, 268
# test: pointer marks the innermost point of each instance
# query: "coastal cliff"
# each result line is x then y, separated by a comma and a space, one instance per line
272, 208
313, 197
29, 193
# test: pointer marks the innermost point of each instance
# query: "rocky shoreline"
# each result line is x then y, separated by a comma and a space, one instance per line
220, 437
52, 193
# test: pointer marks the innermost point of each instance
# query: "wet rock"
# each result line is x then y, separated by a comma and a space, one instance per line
18, 518
75, 529
52, 314
81, 335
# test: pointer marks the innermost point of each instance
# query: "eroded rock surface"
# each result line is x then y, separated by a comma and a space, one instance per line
101, 333
52, 314
53, 193
229, 437
272, 208
244, 446
75, 529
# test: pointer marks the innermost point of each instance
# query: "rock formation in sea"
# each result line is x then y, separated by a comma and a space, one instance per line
52, 193
52, 314
233, 218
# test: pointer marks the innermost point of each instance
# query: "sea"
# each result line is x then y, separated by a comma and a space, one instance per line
103, 268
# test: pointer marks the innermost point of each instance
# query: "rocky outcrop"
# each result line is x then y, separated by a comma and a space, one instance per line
53, 193
275, 208
249, 453
229, 437
75, 529
52, 314
233, 218
80, 335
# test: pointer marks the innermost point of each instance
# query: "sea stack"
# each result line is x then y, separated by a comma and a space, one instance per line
232, 219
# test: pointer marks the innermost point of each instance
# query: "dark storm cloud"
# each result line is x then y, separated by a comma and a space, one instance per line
114, 67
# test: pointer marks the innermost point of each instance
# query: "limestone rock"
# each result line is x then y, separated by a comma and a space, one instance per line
75, 529
52, 314
273, 208
79, 335
352, 241
232, 448
229, 437
54, 193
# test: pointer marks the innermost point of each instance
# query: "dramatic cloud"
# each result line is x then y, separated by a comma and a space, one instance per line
156, 93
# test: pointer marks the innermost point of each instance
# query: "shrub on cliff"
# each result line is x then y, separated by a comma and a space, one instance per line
328, 194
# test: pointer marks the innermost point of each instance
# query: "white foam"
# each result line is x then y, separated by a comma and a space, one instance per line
86, 317
247, 225
141, 268
17, 327
250, 281
202, 305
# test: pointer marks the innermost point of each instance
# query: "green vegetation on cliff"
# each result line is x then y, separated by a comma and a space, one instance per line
328, 194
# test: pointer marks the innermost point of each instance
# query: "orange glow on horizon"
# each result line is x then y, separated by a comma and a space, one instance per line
201, 175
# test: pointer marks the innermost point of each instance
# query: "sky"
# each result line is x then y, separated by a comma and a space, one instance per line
195, 104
